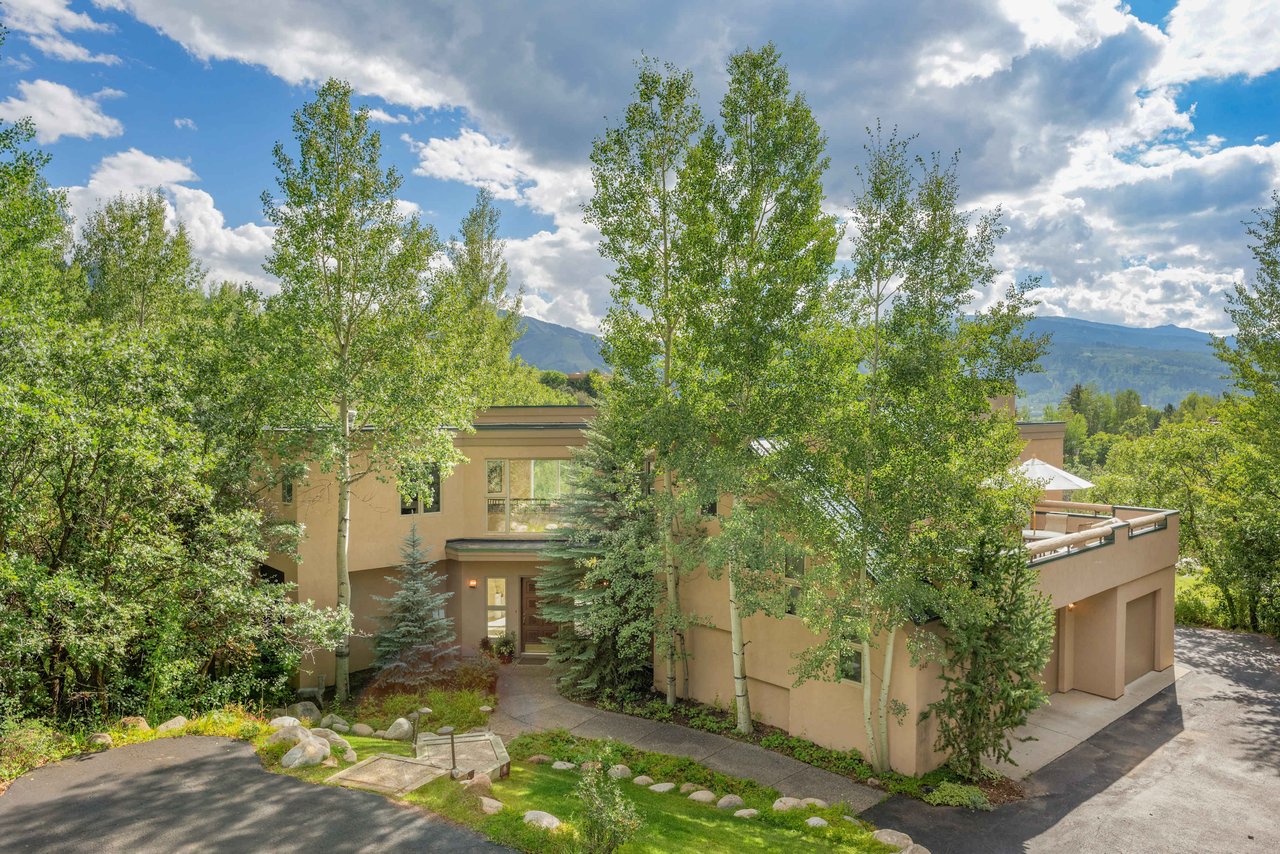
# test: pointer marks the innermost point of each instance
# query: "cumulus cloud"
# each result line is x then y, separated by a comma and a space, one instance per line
1219, 38
45, 23
386, 118
60, 111
185, 124
229, 253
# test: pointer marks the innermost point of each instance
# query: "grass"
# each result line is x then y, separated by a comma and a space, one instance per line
458, 709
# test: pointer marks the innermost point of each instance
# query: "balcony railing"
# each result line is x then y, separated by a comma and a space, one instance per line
1063, 528
523, 515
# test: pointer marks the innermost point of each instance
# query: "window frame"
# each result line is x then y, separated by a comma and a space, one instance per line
852, 655
490, 610
286, 491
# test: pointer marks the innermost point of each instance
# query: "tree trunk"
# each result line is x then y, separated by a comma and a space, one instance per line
740, 695
872, 752
882, 713
342, 655
668, 561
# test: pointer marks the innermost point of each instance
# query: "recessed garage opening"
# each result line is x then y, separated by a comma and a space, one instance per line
1140, 637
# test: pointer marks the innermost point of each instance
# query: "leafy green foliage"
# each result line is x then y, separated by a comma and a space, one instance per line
958, 795
459, 709
413, 617
607, 818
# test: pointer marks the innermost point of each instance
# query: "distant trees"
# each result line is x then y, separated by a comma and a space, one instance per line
1097, 420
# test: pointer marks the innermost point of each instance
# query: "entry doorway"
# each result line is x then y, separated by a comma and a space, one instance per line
534, 631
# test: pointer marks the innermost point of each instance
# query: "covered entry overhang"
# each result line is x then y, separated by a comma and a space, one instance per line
494, 581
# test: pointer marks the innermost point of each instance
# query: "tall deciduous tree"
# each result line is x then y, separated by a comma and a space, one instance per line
376, 354
638, 169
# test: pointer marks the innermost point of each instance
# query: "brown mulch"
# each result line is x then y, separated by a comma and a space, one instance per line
1002, 791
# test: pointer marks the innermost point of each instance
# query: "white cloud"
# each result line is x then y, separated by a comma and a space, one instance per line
233, 254
185, 124
45, 23
60, 111
1219, 38
386, 118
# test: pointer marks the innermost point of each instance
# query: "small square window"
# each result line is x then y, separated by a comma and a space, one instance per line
408, 505
496, 472
850, 666
286, 491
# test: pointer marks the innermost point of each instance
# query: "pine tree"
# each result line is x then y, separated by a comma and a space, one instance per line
600, 583
414, 624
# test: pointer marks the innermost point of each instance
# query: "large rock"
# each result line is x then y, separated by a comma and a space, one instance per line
746, 813
135, 722
538, 818
816, 821
332, 737
814, 802
643, 780
362, 730
785, 804
342, 728
662, 788
619, 772
284, 721
306, 753
330, 719
563, 766
480, 784
172, 724
379, 733
289, 735
490, 806
306, 709
102, 739
917, 848
539, 759
730, 802
686, 788
702, 796
893, 837
400, 730
349, 755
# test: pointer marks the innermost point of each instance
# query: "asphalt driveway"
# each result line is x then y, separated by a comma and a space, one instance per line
201, 794
1194, 769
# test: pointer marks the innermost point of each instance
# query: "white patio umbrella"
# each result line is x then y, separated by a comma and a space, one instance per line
1050, 476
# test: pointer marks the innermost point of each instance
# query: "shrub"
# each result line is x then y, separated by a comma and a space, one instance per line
957, 795
459, 709
1197, 602
608, 818
27, 744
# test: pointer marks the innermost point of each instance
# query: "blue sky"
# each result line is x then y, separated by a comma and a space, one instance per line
1125, 143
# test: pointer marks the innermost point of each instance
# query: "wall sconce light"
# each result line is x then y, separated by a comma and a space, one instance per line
472, 583
1071, 606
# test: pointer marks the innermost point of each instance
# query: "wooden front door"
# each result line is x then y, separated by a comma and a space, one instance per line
534, 631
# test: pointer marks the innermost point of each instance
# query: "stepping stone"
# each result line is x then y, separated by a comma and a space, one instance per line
730, 802
702, 796
785, 804
490, 806
538, 818
362, 730
563, 766
686, 788
619, 772
662, 788
746, 813
893, 837
814, 802
816, 821
643, 780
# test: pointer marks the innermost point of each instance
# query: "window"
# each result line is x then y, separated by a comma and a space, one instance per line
415, 504
286, 491
523, 496
793, 571
495, 606
850, 666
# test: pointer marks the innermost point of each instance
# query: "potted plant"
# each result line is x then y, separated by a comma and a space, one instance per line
505, 648
486, 647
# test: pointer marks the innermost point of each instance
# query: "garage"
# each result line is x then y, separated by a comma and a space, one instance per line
1140, 637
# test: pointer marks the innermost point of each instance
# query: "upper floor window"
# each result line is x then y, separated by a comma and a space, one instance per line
850, 666
429, 503
286, 491
793, 572
523, 496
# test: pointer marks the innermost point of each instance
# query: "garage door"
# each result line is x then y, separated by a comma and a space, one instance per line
1140, 637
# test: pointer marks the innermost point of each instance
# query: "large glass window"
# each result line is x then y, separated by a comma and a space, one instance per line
495, 606
524, 495
850, 666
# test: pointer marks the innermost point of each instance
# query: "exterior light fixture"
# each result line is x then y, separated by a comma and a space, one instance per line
472, 583
1071, 606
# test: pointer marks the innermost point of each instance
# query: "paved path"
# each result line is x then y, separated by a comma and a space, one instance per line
202, 794
528, 702
1195, 768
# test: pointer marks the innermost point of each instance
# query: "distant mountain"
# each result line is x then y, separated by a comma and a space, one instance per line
1164, 364
552, 347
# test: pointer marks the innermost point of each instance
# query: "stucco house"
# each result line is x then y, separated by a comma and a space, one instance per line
1108, 570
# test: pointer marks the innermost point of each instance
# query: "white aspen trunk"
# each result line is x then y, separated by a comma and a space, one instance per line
342, 655
740, 695
673, 602
882, 713
873, 753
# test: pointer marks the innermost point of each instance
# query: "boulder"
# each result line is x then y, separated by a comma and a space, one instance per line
816, 821
306, 753
330, 761
644, 780
730, 802
135, 722
686, 788
619, 772
305, 709
349, 755
400, 730
172, 724
425, 711
539, 759
662, 788
480, 783
702, 796
284, 721
330, 719
289, 735
538, 818
380, 733
490, 806
873, 781
486, 709
893, 837
786, 804
100, 739
814, 802
362, 730
746, 813
563, 766
412, 716
916, 848
342, 728
332, 737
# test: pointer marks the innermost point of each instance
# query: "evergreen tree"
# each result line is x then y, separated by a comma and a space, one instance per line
414, 621
600, 582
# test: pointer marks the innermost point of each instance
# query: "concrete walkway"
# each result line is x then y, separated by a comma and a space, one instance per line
528, 702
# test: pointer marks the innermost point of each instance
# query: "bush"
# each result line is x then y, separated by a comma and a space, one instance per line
608, 818
458, 709
28, 744
1197, 602
957, 795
